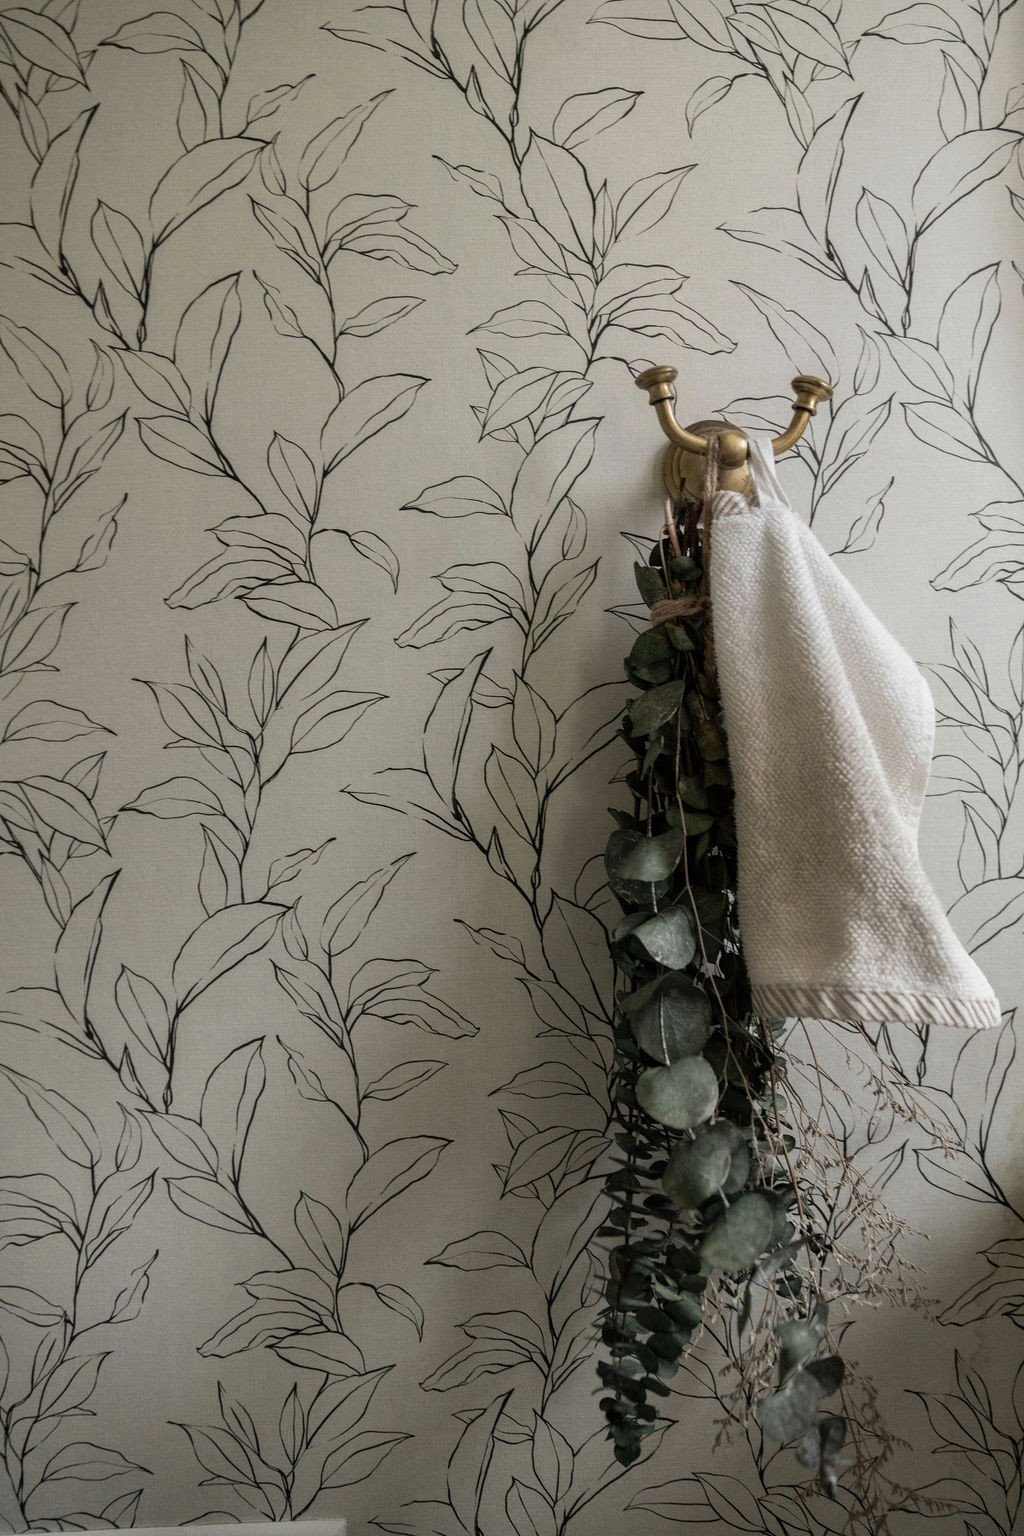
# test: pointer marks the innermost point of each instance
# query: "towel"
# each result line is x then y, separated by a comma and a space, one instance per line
831, 727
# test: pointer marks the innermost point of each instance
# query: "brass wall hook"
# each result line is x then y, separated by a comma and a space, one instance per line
683, 459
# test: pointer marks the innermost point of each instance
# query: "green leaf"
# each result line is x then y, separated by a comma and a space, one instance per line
740, 1236
653, 858
668, 937
820, 1446
681, 1096
656, 706
790, 1413
670, 1018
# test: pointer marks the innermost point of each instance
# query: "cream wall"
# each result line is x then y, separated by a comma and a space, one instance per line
349, 1192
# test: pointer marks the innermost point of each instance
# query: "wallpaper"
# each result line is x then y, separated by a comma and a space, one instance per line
324, 474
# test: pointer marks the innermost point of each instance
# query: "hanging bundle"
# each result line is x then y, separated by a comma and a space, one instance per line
809, 841
704, 1189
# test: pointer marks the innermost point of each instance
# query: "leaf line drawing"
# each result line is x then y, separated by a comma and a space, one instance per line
268, 554
318, 1323
793, 48
290, 706
47, 819
59, 1318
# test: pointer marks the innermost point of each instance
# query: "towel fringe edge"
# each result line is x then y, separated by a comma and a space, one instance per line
867, 1006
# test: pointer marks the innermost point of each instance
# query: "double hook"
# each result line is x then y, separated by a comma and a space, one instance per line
683, 467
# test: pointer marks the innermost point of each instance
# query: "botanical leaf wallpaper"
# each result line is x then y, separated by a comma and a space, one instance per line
324, 473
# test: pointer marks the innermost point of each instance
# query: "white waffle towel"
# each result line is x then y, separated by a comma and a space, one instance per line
831, 728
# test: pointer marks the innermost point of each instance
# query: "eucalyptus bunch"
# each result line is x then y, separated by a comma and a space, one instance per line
706, 1208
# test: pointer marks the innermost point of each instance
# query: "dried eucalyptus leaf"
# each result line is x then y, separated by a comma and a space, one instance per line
656, 748
656, 706
650, 584
833, 1436
628, 925
638, 893
799, 1340
680, 1096
653, 858
711, 741
808, 1448
739, 1168
789, 1413
692, 791
633, 1002
828, 1373
740, 1235
667, 1346
697, 1169
819, 1449
711, 905
650, 660
782, 1227
669, 937
680, 637
674, 1019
